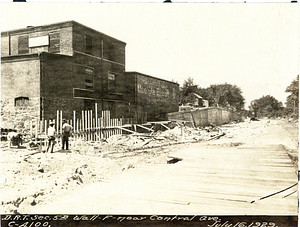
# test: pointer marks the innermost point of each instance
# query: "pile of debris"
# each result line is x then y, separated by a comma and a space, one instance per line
161, 136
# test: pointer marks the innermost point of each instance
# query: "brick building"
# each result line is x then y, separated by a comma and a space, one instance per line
157, 96
68, 66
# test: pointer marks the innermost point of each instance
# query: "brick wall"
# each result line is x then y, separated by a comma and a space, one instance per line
101, 68
156, 96
103, 46
58, 81
65, 39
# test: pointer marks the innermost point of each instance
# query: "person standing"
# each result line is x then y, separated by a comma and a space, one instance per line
66, 131
51, 137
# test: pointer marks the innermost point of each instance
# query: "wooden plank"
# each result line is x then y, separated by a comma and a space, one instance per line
36, 128
141, 126
45, 127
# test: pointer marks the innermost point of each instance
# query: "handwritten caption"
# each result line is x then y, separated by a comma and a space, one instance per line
50, 220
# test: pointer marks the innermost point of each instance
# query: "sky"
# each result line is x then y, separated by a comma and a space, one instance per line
252, 45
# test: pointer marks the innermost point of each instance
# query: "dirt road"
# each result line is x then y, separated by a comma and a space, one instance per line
247, 172
232, 174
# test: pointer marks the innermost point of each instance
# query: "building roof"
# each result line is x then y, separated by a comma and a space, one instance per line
198, 96
134, 72
51, 26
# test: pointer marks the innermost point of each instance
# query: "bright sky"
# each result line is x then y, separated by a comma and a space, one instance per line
254, 45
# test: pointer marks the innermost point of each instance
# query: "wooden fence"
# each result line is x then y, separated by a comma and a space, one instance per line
89, 126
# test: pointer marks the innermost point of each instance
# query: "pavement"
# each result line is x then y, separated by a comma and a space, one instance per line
256, 178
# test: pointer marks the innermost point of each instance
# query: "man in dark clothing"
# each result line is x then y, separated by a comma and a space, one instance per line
66, 131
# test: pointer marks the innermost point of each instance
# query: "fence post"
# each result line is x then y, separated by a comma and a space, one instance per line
80, 126
103, 124
96, 113
57, 121
61, 122
45, 127
36, 129
74, 119
31, 132
100, 132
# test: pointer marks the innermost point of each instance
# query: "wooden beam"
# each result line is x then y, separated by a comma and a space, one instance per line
145, 128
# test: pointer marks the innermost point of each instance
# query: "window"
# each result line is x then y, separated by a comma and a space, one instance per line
111, 82
86, 75
23, 47
89, 78
21, 101
88, 44
111, 49
54, 42
108, 51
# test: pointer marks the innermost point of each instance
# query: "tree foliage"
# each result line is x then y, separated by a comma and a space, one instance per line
292, 101
187, 91
225, 95
267, 106
222, 95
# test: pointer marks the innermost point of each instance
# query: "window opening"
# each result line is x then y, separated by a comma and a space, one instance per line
21, 101
111, 82
54, 42
23, 47
88, 44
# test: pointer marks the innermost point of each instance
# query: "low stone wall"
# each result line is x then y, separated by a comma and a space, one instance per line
19, 118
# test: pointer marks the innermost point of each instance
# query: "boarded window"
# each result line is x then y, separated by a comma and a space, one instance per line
108, 51
88, 44
54, 42
111, 48
22, 101
86, 74
23, 47
111, 82
89, 78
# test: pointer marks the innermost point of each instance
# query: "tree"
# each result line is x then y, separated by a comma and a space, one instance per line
292, 101
225, 95
266, 106
187, 91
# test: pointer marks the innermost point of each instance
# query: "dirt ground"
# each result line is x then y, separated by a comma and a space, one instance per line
35, 180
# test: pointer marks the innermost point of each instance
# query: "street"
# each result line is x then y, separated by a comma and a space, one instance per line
248, 172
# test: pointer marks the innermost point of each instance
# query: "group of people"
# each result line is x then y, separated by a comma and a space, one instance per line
66, 132
14, 138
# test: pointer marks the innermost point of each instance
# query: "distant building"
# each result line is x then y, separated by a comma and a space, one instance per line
68, 66
200, 102
197, 102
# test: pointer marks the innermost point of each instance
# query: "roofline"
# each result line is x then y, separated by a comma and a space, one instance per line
152, 77
75, 22
19, 30
61, 24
